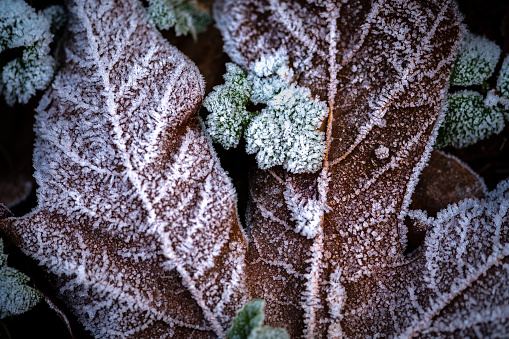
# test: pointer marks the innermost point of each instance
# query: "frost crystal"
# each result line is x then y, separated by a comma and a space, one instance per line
227, 104
307, 213
15, 296
248, 324
286, 132
468, 119
476, 60
21, 26
382, 152
181, 14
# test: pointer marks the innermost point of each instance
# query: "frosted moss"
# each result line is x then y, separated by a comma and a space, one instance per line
476, 60
468, 120
285, 132
183, 15
248, 324
22, 26
15, 296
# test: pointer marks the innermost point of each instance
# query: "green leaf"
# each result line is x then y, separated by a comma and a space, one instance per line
503, 79
286, 132
22, 26
248, 324
180, 14
15, 296
467, 120
475, 62
227, 107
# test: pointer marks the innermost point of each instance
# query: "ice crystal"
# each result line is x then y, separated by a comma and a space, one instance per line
22, 26
476, 60
248, 324
306, 212
227, 104
468, 119
183, 15
286, 132
16, 296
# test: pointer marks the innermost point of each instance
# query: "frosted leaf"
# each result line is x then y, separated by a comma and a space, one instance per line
457, 286
136, 223
446, 180
22, 79
56, 16
468, 119
286, 132
15, 296
183, 15
269, 75
21, 26
248, 324
227, 106
383, 69
503, 80
476, 60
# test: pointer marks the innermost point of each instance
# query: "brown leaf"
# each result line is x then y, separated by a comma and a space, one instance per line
136, 223
383, 68
445, 180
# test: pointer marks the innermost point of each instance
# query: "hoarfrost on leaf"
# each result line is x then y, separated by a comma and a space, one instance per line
306, 212
286, 132
16, 296
468, 119
476, 60
136, 222
383, 68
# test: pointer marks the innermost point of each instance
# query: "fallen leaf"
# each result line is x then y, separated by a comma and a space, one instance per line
445, 180
136, 222
383, 68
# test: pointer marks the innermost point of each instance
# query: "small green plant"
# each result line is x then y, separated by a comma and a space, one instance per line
22, 26
248, 324
285, 132
183, 15
16, 296
468, 119
473, 115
